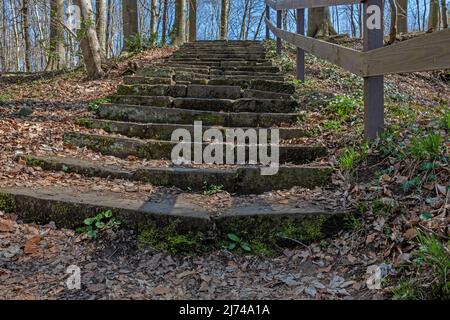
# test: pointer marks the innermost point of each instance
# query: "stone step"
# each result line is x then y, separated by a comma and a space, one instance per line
266, 69
122, 147
194, 91
218, 57
246, 180
130, 80
147, 114
223, 105
68, 207
163, 131
167, 72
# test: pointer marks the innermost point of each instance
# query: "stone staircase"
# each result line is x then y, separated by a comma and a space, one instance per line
223, 84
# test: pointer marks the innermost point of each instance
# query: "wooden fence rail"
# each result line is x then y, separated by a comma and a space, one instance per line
428, 52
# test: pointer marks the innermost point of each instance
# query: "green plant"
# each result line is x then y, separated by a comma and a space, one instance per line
436, 256
236, 242
4, 99
95, 104
99, 223
348, 159
445, 120
334, 125
354, 223
383, 206
405, 291
343, 106
210, 189
426, 147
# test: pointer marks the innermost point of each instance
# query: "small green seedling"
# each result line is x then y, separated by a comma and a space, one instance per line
236, 242
99, 223
210, 189
95, 104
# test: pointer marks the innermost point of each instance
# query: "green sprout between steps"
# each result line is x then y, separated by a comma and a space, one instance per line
236, 242
100, 223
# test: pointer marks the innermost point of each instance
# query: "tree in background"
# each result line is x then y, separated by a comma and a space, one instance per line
130, 22
100, 6
192, 20
89, 44
26, 34
152, 20
402, 16
224, 19
393, 27
56, 50
433, 17
444, 14
179, 29
164, 24
319, 23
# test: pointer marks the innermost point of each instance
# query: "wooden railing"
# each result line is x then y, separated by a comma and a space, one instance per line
428, 52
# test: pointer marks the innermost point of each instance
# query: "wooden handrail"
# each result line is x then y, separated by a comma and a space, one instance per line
346, 58
303, 4
424, 53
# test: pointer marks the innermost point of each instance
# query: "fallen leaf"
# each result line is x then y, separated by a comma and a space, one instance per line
370, 238
31, 245
410, 234
161, 290
6, 225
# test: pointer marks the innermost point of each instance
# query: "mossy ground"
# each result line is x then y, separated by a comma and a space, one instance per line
7, 203
266, 237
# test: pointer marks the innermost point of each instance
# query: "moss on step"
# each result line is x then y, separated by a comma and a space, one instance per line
169, 238
7, 203
83, 122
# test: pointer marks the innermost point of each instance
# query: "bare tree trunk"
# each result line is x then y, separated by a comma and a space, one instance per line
152, 20
352, 21
192, 20
402, 16
244, 18
101, 24
89, 44
130, 21
319, 23
393, 28
57, 52
433, 18
224, 19
444, 14
164, 24
180, 22
26, 35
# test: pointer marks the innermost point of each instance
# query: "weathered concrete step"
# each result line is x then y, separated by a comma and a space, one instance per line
218, 57
130, 80
194, 91
69, 207
159, 149
225, 105
266, 69
163, 131
147, 114
247, 77
247, 180
168, 72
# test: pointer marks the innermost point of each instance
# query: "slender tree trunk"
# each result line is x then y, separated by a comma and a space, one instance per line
444, 14
433, 18
130, 21
152, 19
319, 23
101, 24
224, 19
352, 21
164, 24
393, 27
192, 20
244, 18
402, 16
26, 34
180, 22
16, 35
57, 52
89, 44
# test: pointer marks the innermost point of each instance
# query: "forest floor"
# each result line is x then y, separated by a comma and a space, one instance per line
399, 188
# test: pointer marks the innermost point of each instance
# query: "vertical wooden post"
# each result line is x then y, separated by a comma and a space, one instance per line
373, 86
279, 26
301, 52
268, 18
